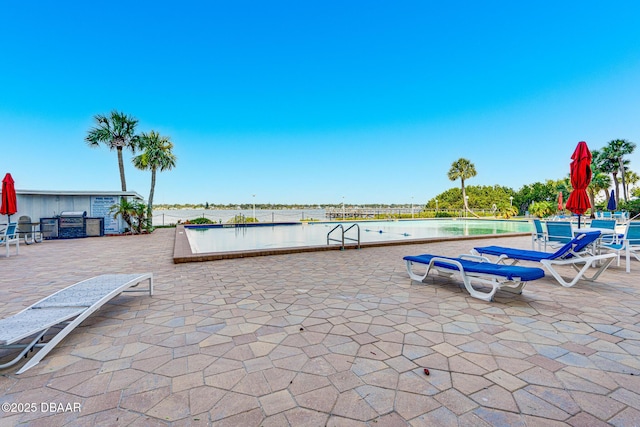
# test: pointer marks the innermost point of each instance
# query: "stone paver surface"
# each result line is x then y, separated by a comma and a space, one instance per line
337, 338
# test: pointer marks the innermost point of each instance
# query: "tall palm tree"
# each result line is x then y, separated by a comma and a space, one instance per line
116, 131
156, 155
616, 150
462, 169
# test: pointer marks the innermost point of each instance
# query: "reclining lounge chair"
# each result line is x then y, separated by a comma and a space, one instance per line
68, 307
474, 270
576, 254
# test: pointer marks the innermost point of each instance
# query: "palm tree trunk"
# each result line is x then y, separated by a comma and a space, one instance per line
123, 181
592, 199
624, 184
151, 191
617, 186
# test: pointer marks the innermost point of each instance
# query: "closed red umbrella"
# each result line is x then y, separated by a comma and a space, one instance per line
9, 204
560, 207
578, 201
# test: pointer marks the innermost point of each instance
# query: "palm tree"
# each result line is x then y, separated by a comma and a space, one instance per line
599, 182
615, 151
126, 210
541, 209
139, 213
116, 131
156, 155
463, 169
631, 178
601, 166
603, 162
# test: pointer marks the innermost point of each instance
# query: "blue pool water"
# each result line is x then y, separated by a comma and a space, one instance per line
221, 238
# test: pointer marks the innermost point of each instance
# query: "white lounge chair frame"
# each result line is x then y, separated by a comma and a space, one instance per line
579, 263
468, 278
10, 235
69, 306
629, 246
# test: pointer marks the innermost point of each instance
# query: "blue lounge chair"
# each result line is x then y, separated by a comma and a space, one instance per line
609, 224
576, 253
629, 244
619, 216
538, 236
559, 233
475, 270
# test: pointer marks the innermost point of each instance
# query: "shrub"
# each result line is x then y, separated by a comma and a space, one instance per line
444, 215
632, 206
241, 219
200, 220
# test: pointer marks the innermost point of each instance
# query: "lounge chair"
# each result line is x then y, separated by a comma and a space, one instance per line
539, 236
10, 235
576, 253
609, 224
605, 224
475, 270
629, 243
620, 216
559, 233
68, 307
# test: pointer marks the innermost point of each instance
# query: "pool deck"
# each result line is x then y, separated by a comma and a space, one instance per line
335, 338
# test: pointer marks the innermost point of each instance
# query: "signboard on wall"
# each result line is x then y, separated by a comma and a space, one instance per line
100, 207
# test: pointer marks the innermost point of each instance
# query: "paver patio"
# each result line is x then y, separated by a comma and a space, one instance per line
337, 338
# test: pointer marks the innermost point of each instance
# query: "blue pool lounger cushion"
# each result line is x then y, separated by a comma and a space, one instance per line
576, 254
475, 270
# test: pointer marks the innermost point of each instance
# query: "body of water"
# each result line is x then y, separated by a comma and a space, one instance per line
173, 216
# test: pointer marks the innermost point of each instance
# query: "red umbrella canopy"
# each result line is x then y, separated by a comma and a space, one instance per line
9, 205
578, 201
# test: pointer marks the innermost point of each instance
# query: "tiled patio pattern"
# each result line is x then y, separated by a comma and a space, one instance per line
328, 338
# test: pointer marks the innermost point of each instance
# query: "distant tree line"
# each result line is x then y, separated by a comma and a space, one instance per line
609, 166
271, 206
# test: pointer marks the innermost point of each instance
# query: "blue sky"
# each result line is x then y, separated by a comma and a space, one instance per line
313, 102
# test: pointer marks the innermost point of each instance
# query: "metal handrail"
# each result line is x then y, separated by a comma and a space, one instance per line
336, 240
341, 241
350, 238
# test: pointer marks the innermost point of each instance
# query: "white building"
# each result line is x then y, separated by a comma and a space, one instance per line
39, 204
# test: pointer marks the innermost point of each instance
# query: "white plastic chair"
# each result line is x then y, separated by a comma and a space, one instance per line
629, 244
10, 235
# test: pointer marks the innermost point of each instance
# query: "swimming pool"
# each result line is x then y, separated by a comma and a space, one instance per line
248, 239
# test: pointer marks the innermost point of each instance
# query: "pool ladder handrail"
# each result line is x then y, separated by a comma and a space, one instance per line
343, 237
